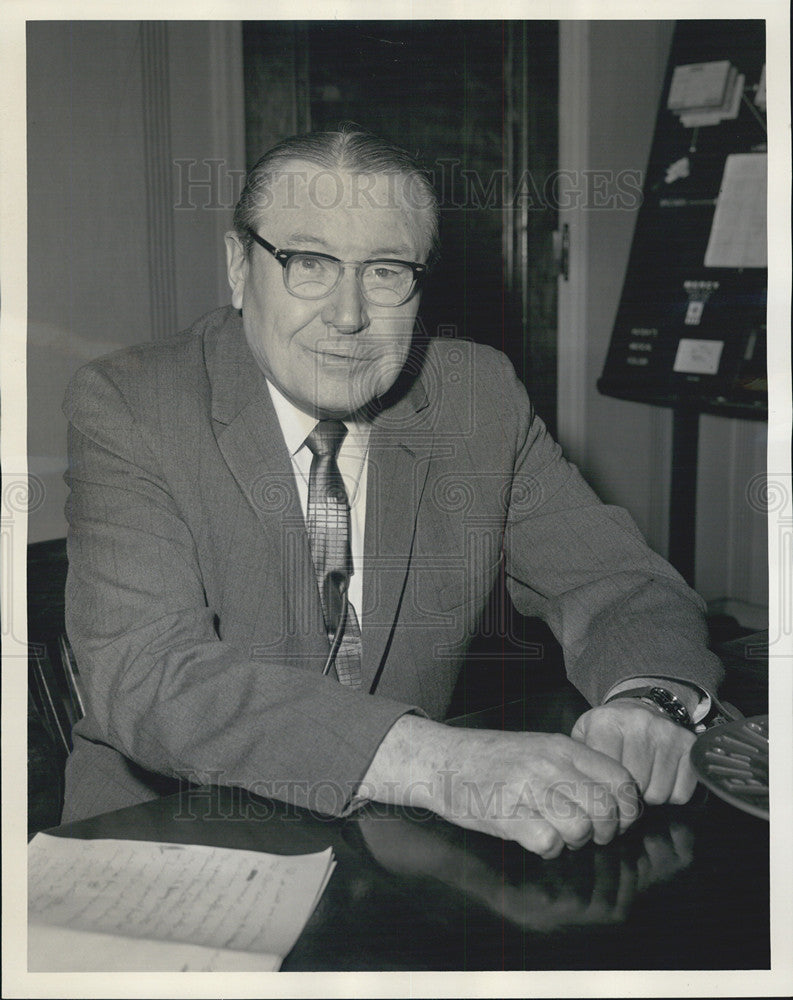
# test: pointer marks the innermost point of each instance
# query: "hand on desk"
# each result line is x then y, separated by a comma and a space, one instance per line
654, 749
545, 791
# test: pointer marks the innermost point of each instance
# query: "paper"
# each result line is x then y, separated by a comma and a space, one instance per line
699, 85
729, 110
698, 357
185, 907
738, 234
59, 949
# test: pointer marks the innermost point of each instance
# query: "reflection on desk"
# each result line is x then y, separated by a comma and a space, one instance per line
600, 889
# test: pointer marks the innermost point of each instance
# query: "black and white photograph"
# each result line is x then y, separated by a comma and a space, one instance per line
397, 514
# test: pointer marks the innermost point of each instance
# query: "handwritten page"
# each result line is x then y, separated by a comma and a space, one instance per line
128, 905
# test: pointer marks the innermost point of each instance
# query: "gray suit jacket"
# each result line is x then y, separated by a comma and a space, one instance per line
192, 605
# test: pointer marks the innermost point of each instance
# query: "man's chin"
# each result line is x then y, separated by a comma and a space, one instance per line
336, 410
349, 400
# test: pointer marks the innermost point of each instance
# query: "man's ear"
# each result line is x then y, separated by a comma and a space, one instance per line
236, 267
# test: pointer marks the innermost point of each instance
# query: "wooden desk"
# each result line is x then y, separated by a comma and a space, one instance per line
685, 888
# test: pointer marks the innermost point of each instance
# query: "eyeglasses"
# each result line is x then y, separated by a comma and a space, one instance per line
314, 275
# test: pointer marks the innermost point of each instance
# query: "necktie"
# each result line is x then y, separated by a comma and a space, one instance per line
329, 537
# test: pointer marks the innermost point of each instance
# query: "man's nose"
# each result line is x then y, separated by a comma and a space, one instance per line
345, 309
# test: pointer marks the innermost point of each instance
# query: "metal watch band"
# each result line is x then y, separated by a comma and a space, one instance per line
662, 699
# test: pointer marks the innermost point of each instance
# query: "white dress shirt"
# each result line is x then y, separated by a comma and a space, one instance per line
353, 465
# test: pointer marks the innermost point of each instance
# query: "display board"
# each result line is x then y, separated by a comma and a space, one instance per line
690, 331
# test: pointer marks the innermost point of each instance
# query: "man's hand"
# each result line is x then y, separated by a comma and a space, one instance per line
545, 791
654, 749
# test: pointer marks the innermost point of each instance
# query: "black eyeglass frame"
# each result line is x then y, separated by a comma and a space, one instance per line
284, 256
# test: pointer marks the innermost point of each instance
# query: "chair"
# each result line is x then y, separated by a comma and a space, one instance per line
55, 696
55, 688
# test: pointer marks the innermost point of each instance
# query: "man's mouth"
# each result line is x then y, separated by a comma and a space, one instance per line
334, 354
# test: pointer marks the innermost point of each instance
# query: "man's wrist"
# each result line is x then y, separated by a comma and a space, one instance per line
404, 770
660, 700
696, 700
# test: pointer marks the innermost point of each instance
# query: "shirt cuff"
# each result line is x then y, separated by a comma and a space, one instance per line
696, 700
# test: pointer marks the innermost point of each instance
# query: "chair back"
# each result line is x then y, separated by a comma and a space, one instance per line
55, 695
55, 688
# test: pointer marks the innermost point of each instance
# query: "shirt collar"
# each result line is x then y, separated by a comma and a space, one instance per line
297, 425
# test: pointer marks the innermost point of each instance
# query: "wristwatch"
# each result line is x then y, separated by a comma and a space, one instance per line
661, 699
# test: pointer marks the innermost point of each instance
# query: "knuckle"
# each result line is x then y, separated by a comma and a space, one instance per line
606, 825
603, 722
654, 796
607, 810
621, 775
578, 831
683, 793
605, 833
545, 840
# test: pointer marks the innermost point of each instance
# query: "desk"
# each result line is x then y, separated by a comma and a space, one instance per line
685, 888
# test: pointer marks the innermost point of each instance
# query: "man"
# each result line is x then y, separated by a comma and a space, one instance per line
229, 633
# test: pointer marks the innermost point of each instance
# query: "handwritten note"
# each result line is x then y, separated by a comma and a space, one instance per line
183, 906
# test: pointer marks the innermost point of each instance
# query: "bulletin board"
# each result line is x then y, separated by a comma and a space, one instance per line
690, 330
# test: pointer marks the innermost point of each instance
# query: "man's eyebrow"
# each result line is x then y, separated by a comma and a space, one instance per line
301, 239
394, 251
297, 238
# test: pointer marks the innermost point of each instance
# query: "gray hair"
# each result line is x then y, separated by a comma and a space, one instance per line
349, 148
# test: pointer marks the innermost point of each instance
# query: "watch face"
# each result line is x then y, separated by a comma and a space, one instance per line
671, 705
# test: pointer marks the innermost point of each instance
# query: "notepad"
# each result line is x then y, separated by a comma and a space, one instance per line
128, 906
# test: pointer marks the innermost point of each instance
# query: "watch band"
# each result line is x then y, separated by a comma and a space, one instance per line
662, 699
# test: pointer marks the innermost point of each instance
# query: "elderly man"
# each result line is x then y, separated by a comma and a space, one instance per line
285, 523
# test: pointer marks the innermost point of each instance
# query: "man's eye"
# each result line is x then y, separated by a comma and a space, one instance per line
385, 273
308, 264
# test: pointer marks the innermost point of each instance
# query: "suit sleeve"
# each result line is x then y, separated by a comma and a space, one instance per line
163, 689
617, 608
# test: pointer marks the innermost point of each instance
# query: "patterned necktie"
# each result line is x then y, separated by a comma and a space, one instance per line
329, 536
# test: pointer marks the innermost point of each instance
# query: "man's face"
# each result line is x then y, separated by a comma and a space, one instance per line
329, 356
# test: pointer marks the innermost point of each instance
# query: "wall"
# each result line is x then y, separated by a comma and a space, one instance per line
611, 75
123, 245
731, 554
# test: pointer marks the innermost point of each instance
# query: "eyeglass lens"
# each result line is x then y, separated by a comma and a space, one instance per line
383, 283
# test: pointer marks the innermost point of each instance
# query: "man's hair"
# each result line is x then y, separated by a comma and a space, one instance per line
352, 149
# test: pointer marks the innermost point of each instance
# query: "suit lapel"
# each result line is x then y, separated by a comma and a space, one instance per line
399, 457
251, 442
